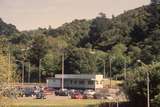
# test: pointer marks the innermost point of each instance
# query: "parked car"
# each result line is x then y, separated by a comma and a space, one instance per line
62, 92
48, 90
102, 95
109, 97
77, 96
40, 95
28, 92
9, 92
56, 92
88, 94
19, 92
72, 91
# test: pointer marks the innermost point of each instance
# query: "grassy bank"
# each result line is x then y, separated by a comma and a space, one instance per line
57, 103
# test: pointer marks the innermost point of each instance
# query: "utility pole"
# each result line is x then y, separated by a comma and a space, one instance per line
104, 69
40, 70
125, 71
110, 71
63, 71
29, 72
23, 72
117, 102
109, 104
148, 94
9, 65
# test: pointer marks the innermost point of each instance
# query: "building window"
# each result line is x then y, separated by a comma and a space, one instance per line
71, 82
90, 82
81, 82
75, 82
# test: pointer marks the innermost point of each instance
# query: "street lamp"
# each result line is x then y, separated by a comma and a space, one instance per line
63, 71
148, 85
62, 46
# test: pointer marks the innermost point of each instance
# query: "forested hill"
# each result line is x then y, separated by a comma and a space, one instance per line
133, 35
7, 29
137, 30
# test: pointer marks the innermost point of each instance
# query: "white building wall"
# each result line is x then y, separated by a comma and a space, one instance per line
96, 80
99, 81
76, 76
56, 83
76, 84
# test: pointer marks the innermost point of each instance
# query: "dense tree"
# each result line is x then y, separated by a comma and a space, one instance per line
38, 49
136, 85
7, 29
98, 26
51, 64
78, 61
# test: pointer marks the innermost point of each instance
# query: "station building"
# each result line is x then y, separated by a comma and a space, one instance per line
76, 81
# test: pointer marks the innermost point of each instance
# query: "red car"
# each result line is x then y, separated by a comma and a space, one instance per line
48, 91
77, 96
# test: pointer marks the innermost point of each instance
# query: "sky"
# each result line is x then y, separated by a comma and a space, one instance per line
31, 14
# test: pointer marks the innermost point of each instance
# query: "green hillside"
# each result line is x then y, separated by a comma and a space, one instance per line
125, 38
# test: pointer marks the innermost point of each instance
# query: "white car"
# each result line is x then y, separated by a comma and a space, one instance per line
109, 97
89, 92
